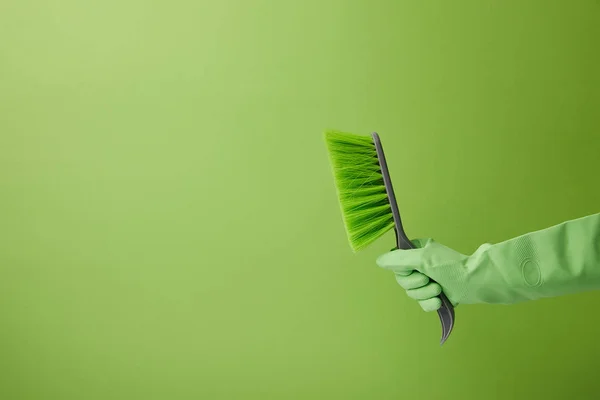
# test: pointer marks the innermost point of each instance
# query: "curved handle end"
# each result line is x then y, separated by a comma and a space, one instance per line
446, 314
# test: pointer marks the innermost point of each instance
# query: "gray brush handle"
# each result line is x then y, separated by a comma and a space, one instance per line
446, 311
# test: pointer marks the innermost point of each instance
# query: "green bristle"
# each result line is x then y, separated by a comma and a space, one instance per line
364, 202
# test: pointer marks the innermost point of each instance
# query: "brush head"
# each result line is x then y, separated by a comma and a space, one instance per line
364, 202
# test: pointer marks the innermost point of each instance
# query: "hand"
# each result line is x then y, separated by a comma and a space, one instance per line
556, 261
427, 270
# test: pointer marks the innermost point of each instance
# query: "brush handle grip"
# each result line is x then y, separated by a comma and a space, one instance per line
446, 315
446, 311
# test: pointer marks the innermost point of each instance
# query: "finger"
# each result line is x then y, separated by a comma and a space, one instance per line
426, 292
412, 281
401, 261
433, 304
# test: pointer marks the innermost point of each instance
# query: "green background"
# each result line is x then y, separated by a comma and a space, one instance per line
168, 222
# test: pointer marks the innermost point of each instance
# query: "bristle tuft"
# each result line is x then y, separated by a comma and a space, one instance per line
361, 191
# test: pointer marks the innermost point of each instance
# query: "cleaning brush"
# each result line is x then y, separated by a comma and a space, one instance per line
367, 199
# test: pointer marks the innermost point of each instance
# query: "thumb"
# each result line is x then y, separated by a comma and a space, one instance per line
402, 262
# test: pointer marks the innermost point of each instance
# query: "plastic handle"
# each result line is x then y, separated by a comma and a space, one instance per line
446, 311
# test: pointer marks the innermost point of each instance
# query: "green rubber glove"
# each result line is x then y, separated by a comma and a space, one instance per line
560, 260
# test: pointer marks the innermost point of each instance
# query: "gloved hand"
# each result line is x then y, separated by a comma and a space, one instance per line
560, 260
